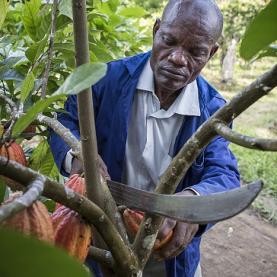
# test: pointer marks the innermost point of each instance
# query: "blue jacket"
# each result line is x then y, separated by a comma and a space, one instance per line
214, 170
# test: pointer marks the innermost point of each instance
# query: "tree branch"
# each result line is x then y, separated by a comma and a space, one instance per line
51, 46
123, 255
63, 132
26, 200
8, 101
97, 191
192, 148
245, 141
103, 256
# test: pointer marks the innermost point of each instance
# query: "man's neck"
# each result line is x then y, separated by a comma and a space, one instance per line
166, 98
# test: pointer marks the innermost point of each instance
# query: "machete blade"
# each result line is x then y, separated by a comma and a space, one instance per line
193, 209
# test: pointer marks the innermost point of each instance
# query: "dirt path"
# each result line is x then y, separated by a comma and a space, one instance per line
244, 246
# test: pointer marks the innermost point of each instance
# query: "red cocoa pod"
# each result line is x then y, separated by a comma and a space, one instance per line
77, 184
33, 221
159, 244
14, 152
71, 232
132, 220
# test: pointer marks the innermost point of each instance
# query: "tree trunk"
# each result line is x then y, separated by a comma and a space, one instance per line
228, 62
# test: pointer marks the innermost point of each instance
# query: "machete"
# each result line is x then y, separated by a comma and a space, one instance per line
193, 209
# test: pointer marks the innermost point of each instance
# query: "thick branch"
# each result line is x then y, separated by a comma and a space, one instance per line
26, 200
123, 256
103, 256
96, 190
51, 46
63, 132
245, 141
192, 148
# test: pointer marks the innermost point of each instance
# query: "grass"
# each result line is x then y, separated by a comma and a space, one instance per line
259, 120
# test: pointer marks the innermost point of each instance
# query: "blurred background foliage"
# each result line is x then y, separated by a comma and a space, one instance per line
123, 28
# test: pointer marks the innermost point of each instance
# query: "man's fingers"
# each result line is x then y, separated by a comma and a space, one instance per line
166, 227
182, 235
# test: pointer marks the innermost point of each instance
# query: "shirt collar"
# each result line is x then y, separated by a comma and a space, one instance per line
187, 103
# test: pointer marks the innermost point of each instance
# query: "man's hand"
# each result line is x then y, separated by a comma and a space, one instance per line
77, 168
183, 234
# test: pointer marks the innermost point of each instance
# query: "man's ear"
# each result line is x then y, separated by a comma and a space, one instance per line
156, 26
214, 50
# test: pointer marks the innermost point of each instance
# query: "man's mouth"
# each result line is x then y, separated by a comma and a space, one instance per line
173, 74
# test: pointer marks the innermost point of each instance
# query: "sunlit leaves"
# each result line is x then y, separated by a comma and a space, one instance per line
27, 257
261, 32
132, 12
4, 8
27, 86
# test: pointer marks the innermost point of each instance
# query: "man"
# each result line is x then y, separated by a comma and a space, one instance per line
147, 107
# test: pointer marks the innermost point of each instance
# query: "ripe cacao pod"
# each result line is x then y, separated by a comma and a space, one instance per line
34, 220
71, 232
77, 184
132, 220
14, 152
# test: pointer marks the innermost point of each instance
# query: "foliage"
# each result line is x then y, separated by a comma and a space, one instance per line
114, 31
263, 26
24, 256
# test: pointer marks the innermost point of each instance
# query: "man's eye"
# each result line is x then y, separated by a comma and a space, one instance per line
167, 40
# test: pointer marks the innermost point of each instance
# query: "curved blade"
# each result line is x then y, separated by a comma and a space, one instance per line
194, 209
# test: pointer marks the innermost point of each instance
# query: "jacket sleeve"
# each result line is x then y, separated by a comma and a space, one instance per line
68, 118
219, 172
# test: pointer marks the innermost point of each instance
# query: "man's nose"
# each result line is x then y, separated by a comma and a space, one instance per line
178, 58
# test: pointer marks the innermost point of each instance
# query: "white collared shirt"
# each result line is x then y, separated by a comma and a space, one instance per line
152, 131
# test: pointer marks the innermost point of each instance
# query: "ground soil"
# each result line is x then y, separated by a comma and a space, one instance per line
244, 246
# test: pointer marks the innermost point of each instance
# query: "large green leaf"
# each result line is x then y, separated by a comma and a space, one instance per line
35, 50
4, 8
31, 18
65, 8
82, 78
261, 32
132, 12
38, 155
30, 116
27, 257
27, 86
2, 190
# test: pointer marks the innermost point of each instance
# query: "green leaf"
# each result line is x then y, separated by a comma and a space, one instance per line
2, 190
31, 19
270, 51
4, 9
48, 166
27, 86
132, 12
261, 32
38, 155
65, 8
82, 78
27, 257
30, 116
34, 51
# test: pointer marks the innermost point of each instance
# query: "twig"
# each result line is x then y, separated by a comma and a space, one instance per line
63, 132
123, 255
8, 101
245, 141
51, 46
192, 148
26, 200
103, 256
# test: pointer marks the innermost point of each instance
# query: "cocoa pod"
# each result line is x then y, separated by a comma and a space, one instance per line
71, 232
13, 151
132, 220
33, 221
77, 184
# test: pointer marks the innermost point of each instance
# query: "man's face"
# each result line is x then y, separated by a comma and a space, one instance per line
179, 53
